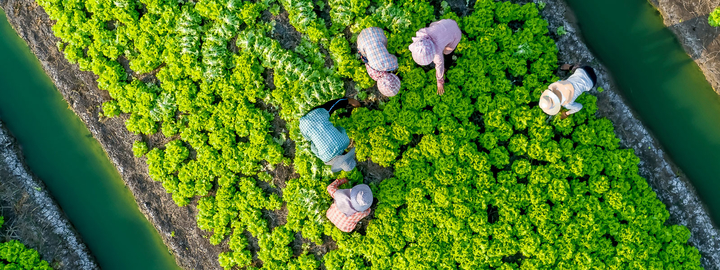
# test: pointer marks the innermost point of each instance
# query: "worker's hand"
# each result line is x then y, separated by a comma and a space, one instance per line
563, 115
353, 102
441, 88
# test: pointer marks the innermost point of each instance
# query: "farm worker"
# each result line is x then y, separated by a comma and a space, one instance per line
564, 93
372, 46
431, 43
328, 142
350, 205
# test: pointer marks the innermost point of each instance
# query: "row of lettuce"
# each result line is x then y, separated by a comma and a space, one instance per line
482, 178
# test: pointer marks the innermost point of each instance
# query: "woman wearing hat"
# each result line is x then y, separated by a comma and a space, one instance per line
350, 205
564, 93
429, 45
372, 46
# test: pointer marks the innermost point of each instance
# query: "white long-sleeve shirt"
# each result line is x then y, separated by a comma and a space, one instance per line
571, 89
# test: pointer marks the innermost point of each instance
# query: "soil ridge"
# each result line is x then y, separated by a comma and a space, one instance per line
32, 216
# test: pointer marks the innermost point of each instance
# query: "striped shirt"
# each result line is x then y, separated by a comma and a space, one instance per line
326, 140
343, 222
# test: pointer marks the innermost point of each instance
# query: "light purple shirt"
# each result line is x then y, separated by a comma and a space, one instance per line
446, 35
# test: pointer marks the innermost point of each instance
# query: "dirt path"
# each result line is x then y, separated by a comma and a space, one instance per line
688, 19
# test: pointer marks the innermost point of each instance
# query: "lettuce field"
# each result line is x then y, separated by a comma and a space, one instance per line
482, 178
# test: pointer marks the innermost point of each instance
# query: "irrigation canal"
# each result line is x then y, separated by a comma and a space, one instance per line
661, 83
60, 150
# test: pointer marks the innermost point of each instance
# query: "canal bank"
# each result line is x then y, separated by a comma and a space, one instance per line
61, 152
32, 216
640, 64
176, 225
688, 20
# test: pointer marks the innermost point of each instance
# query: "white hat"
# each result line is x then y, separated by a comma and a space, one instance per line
361, 197
549, 102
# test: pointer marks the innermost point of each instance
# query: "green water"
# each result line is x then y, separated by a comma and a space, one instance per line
62, 152
662, 84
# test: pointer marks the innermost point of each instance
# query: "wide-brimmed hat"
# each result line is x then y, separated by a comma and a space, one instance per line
388, 84
422, 50
549, 102
361, 197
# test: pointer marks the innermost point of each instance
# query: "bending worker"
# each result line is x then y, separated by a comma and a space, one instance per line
431, 43
564, 93
328, 142
372, 46
350, 205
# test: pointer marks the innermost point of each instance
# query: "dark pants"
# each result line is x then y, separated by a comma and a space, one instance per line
591, 73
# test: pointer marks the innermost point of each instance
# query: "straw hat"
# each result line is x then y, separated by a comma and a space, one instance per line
550, 102
361, 197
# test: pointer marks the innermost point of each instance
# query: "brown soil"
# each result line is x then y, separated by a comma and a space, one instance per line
688, 19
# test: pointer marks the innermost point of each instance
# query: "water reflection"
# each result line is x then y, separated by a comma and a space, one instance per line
661, 83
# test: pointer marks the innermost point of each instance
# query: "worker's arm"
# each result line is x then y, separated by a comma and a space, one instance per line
335, 186
439, 61
573, 107
361, 51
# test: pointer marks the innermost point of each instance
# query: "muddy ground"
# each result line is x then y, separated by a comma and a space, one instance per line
190, 248
688, 19
32, 216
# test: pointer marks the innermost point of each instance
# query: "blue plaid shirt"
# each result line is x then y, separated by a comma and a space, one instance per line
326, 140
372, 45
